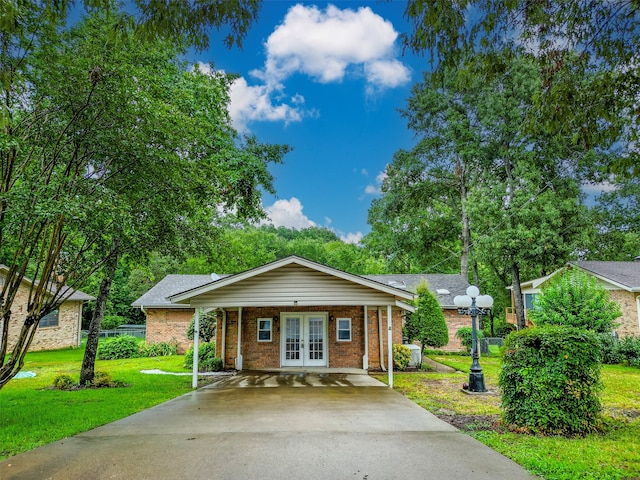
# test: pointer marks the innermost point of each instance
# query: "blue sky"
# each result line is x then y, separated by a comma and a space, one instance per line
326, 78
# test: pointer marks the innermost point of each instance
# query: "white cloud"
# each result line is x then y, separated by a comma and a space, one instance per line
326, 45
386, 74
251, 103
354, 238
288, 213
376, 189
598, 188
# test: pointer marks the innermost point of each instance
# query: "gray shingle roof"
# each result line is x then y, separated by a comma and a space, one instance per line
623, 273
76, 295
158, 295
455, 284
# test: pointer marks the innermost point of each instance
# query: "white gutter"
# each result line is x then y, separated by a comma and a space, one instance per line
365, 357
381, 347
196, 348
638, 310
390, 346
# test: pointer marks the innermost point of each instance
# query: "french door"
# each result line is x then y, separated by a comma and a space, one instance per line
303, 340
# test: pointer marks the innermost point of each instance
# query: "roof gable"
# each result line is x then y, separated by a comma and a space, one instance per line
614, 275
286, 280
625, 275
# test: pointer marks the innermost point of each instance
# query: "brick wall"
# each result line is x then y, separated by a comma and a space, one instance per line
169, 325
629, 319
65, 334
454, 322
259, 355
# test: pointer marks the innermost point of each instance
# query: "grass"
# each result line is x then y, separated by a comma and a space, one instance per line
33, 415
611, 455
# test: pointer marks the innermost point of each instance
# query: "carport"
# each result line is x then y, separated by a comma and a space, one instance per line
295, 313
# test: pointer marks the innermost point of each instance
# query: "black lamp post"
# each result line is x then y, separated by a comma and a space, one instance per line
474, 304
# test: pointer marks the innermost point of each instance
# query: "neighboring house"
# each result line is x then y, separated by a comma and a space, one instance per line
60, 329
292, 312
621, 279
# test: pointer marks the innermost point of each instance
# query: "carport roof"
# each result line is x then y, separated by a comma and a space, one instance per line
399, 293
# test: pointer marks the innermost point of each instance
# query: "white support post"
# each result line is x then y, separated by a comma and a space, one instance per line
196, 347
239, 357
380, 340
390, 346
365, 357
223, 345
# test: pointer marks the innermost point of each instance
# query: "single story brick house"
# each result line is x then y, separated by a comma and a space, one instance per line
60, 329
621, 279
293, 313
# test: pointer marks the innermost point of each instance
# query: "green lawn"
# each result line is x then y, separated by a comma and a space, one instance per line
612, 455
32, 415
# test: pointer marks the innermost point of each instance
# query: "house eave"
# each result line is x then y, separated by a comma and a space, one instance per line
186, 296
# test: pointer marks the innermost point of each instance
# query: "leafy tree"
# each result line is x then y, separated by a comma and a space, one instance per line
207, 327
616, 222
428, 320
585, 52
80, 112
526, 212
422, 215
573, 298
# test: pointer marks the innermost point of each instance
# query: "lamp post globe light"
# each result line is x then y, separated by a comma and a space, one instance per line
474, 304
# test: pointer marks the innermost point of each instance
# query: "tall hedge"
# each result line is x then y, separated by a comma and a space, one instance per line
550, 380
429, 320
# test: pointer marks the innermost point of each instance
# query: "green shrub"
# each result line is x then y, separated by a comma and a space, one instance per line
575, 299
401, 356
428, 321
160, 349
207, 360
464, 334
207, 327
102, 379
629, 349
609, 349
550, 380
504, 329
64, 382
111, 322
124, 346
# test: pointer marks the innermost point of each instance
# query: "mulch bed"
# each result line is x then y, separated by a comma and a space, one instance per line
468, 423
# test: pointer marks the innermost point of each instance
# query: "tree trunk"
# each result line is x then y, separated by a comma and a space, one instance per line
466, 229
89, 360
517, 296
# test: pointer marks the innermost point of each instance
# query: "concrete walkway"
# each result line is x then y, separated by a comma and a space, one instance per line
338, 427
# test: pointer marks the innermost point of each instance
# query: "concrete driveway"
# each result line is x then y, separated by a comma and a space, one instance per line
264, 426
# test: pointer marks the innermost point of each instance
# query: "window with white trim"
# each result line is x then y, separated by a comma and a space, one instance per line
264, 329
344, 329
50, 320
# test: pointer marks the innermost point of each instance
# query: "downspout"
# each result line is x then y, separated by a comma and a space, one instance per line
638, 310
196, 348
390, 345
365, 357
380, 349
239, 357
224, 337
